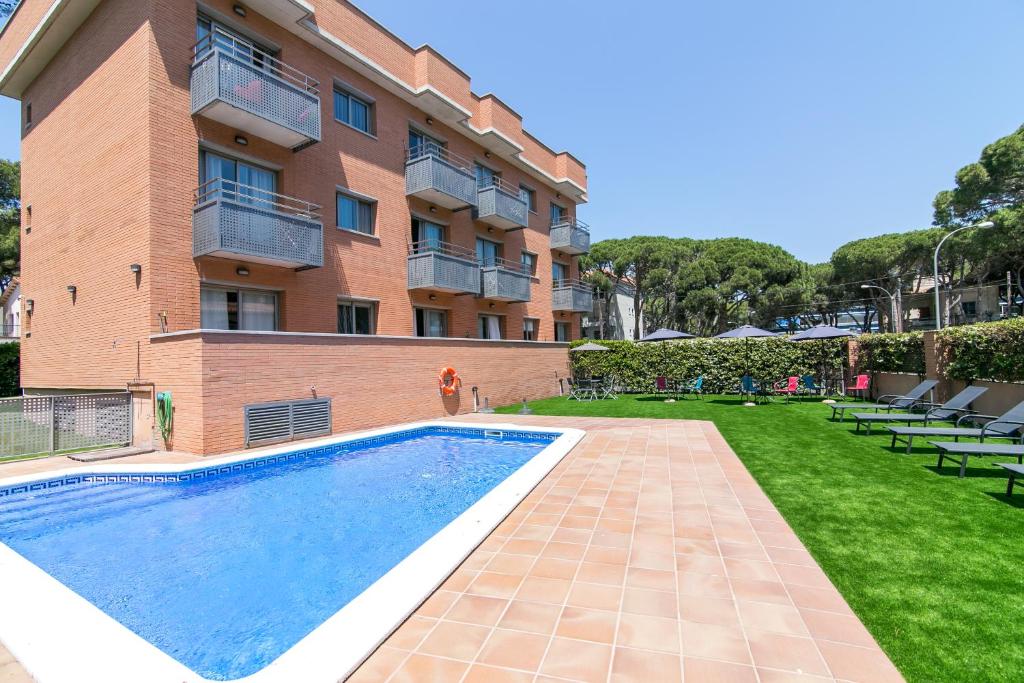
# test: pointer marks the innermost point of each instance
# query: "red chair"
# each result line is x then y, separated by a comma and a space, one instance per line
789, 386
861, 383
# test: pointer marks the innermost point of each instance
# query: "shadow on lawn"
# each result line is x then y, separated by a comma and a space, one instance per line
1014, 501
953, 470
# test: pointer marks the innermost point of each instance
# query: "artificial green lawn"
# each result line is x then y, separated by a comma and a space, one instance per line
932, 564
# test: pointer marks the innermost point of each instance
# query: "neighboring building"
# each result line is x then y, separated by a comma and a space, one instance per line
270, 201
970, 304
10, 304
613, 315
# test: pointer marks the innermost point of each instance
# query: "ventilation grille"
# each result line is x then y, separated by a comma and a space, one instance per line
286, 420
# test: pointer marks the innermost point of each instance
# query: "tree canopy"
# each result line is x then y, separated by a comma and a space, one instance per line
10, 220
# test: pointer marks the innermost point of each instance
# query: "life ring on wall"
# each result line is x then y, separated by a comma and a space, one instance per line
448, 381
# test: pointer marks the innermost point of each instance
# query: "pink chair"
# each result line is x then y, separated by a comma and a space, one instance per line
789, 386
861, 383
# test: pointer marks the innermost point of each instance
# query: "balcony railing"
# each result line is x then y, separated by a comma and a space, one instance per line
443, 267
439, 176
504, 280
570, 235
240, 86
572, 295
500, 204
232, 220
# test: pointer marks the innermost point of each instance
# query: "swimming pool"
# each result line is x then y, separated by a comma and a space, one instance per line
290, 565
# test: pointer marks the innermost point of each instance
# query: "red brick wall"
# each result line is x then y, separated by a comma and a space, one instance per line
371, 382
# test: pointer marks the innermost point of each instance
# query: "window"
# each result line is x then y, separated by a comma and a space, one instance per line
529, 196
562, 332
431, 322
559, 271
487, 252
28, 114
353, 111
211, 34
530, 326
529, 262
243, 181
28, 218
489, 327
426, 236
970, 308
222, 308
421, 144
355, 214
558, 214
356, 317
485, 176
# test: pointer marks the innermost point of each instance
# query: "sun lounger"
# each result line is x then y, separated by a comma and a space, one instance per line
952, 409
1014, 471
949, 448
888, 402
1006, 426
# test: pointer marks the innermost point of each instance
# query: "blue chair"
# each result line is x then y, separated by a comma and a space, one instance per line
696, 387
810, 386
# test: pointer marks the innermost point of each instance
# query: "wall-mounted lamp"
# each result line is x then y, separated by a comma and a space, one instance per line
72, 289
30, 305
430, 121
241, 140
490, 305
239, 10
487, 154
558, 195
432, 297
433, 209
490, 229
242, 270
136, 268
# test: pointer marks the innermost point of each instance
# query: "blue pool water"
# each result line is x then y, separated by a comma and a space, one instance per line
227, 572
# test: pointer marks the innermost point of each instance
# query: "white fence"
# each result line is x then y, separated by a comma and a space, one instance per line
41, 425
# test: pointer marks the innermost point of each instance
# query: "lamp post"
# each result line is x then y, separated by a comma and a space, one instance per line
935, 265
892, 304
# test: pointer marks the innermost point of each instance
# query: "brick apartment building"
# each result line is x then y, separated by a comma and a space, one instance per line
279, 200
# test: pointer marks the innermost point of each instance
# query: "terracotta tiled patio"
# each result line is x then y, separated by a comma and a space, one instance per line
648, 554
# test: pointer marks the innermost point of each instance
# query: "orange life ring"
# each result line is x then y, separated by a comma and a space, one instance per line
448, 381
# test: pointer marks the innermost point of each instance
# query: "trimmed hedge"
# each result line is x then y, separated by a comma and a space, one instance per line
986, 351
721, 361
902, 352
10, 369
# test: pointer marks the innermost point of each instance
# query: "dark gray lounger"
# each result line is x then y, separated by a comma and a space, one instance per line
1006, 426
949, 448
1014, 471
950, 410
887, 402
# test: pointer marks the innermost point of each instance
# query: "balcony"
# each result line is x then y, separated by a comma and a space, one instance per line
443, 267
504, 281
230, 220
440, 177
249, 90
570, 236
572, 295
500, 205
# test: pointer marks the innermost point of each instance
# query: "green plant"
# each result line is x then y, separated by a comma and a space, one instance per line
10, 369
902, 352
720, 361
991, 351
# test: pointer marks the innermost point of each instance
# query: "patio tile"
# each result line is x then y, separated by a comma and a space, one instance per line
577, 661
479, 673
695, 669
650, 603
495, 585
715, 642
541, 589
477, 609
507, 563
648, 633
411, 632
420, 668
760, 591
514, 650
703, 585
586, 624
789, 653
764, 616
864, 665
633, 666
596, 572
564, 551
534, 617
376, 668
595, 596
554, 568
840, 628
454, 640
704, 610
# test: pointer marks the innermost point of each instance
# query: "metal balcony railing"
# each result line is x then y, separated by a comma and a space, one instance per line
504, 280
248, 223
439, 176
443, 267
243, 87
572, 295
570, 235
500, 204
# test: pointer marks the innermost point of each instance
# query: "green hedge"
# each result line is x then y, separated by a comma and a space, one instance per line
10, 369
721, 361
989, 351
891, 352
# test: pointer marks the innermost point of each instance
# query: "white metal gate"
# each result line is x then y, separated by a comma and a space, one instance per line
31, 425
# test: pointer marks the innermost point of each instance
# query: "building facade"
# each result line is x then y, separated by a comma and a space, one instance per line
613, 315
277, 174
10, 304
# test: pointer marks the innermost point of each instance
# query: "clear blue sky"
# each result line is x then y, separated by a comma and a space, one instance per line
801, 122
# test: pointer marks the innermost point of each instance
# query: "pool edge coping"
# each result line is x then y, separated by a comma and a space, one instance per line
43, 621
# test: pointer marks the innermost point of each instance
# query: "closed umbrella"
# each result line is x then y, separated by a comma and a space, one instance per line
819, 332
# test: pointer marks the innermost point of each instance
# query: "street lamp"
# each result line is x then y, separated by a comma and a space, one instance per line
892, 303
935, 265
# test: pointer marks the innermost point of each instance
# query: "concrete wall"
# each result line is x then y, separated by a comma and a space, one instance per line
370, 381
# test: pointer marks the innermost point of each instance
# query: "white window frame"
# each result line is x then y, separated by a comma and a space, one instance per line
240, 291
534, 332
364, 99
426, 309
353, 304
359, 199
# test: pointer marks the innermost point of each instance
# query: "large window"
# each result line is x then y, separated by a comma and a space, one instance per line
421, 144
485, 176
355, 213
426, 236
562, 332
530, 326
528, 195
225, 308
559, 271
558, 213
487, 252
211, 34
356, 317
529, 262
431, 322
353, 110
240, 180
489, 327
